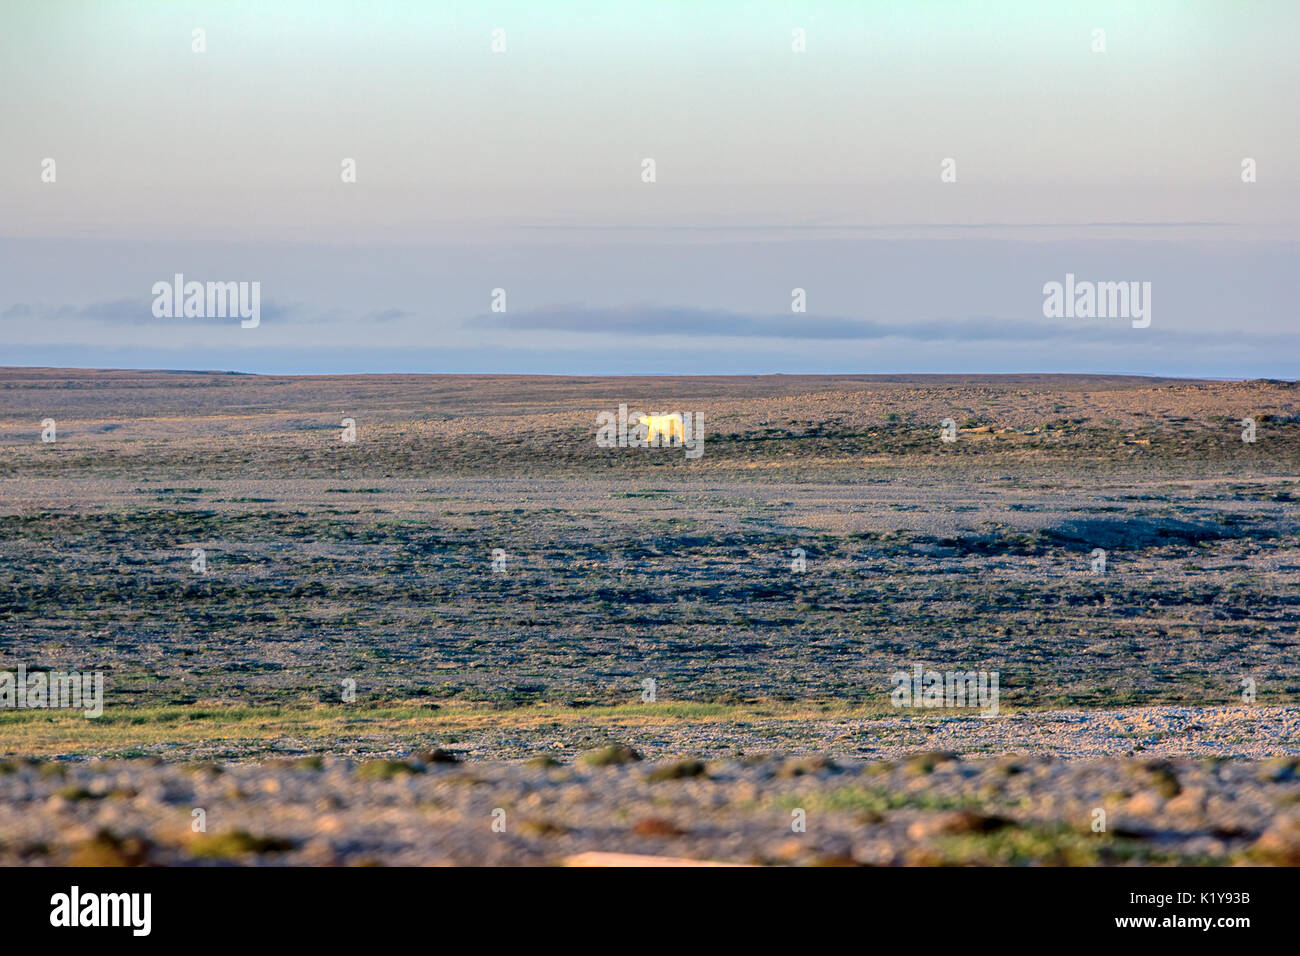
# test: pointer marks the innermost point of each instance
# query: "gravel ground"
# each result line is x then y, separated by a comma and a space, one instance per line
928, 808
1170, 785
1250, 732
365, 564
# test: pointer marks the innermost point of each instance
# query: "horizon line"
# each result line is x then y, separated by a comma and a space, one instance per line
5, 369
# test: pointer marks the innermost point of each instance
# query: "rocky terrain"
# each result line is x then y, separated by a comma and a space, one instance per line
474, 573
927, 808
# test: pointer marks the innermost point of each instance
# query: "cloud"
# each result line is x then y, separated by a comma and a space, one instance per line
19, 311
140, 312
682, 321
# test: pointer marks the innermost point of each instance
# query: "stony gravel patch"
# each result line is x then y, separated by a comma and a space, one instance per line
1251, 732
928, 808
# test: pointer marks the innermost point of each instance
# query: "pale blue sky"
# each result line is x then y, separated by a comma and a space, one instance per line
775, 169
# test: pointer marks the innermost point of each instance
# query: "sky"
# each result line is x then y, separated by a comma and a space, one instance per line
522, 169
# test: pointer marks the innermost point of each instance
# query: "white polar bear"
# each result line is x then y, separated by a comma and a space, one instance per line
668, 425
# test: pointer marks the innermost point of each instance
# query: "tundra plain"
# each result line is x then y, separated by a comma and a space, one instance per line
367, 688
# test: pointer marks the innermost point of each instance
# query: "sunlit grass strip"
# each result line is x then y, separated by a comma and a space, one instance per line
126, 730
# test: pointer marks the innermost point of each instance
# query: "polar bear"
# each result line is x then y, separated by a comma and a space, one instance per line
666, 425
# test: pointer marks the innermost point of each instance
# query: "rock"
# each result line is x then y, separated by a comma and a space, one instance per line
1163, 778
677, 770
609, 755
1191, 802
436, 755
108, 849
927, 761
1281, 769
656, 826
798, 766
1280, 843
1147, 804
953, 823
